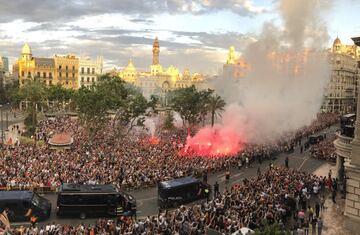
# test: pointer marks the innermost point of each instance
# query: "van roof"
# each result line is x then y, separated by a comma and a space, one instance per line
349, 115
178, 182
85, 188
16, 195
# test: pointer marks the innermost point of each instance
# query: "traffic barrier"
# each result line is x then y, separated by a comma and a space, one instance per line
38, 189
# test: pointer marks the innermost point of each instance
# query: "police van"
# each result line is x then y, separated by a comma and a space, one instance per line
175, 192
84, 201
20, 206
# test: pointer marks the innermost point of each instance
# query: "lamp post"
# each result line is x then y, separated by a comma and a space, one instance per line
2, 125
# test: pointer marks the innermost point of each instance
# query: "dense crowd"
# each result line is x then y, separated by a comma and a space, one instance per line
278, 195
128, 162
324, 150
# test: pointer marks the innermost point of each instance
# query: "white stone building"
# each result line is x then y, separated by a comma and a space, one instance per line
341, 93
89, 70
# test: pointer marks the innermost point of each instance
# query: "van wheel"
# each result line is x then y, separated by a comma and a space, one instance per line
82, 215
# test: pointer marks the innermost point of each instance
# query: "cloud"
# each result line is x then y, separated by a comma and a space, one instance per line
49, 10
122, 29
220, 40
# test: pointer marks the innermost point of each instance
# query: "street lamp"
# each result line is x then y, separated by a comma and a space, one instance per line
7, 119
2, 125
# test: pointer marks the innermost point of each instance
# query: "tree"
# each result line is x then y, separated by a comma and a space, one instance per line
216, 106
115, 95
34, 93
58, 94
10, 94
92, 108
190, 104
134, 109
169, 121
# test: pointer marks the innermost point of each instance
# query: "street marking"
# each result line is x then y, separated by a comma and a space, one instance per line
306, 158
146, 199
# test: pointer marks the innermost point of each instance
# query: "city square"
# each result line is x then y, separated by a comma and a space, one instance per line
179, 117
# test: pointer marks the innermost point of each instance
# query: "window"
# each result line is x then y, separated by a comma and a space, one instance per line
29, 75
82, 70
93, 79
66, 67
67, 82
93, 71
67, 75
88, 70
59, 74
50, 82
88, 79
73, 67
38, 74
73, 75
22, 73
82, 79
44, 74
50, 75
59, 66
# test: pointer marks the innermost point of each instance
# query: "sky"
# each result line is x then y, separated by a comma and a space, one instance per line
193, 34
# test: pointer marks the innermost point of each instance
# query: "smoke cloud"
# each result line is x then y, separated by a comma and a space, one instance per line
283, 89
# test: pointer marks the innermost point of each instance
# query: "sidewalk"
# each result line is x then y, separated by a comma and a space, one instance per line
13, 133
333, 215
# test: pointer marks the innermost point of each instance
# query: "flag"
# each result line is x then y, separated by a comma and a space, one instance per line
4, 219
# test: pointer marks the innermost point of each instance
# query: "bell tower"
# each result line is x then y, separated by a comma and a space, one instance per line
156, 51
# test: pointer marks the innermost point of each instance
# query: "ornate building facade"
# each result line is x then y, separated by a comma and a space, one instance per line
348, 151
63, 70
341, 93
159, 81
28, 67
235, 67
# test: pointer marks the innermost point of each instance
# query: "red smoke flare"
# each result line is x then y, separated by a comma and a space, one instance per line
154, 140
213, 142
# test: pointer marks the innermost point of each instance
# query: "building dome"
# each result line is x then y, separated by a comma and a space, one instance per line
130, 66
337, 41
26, 49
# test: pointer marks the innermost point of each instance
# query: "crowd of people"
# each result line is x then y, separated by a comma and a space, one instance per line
129, 163
324, 150
279, 195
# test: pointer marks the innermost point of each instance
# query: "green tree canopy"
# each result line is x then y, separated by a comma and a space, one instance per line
59, 93
190, 104
115, 95
34, 93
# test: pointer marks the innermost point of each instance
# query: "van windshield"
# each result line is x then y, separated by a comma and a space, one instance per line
36, 200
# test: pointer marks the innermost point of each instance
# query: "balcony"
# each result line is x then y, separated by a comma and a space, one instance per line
343, 145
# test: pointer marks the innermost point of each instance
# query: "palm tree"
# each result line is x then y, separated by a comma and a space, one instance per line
34, 92
216, 107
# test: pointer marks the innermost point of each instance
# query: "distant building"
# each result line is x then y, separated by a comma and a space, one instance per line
89, 71
235, 67
66, 71
159, 81
62, 70
5, 63
341, 91
2, 73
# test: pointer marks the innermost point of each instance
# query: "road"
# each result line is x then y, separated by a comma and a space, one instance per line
147, 198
